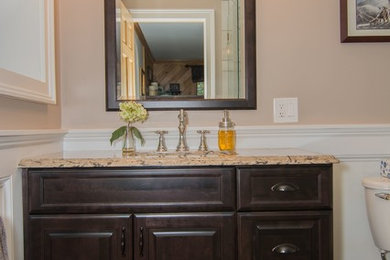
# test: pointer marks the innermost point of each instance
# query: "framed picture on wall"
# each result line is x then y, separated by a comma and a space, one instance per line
365, 20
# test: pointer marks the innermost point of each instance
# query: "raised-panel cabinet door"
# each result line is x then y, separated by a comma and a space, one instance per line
187, 236
80, 237
285, 235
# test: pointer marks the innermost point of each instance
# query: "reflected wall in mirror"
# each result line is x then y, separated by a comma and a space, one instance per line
180, 54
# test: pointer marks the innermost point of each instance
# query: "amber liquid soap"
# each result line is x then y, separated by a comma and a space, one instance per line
226, 134
227, 140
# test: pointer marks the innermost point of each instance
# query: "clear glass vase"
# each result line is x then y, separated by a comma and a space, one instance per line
129, 142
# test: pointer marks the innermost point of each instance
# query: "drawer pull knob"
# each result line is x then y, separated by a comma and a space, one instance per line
141, 241
284, 187
285, 249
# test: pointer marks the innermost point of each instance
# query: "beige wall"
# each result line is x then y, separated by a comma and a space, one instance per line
299, 55
18, 115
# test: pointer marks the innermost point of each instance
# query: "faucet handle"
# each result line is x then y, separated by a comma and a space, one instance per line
162, 147
203, 144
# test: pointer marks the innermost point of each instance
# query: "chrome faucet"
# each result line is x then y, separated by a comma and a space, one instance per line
183, 120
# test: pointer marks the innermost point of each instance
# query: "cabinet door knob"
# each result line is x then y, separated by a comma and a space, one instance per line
123, 241
285, 249
141, 241
284, 187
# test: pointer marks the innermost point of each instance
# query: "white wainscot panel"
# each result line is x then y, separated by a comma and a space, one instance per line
15, 145
6, 211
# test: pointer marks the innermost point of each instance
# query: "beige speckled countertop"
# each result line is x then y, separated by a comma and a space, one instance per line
214, 158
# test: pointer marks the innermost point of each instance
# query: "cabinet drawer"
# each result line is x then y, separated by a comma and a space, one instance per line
136, 190
287, 187
285, 235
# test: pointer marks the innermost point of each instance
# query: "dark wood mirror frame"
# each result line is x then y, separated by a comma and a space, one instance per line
112, 104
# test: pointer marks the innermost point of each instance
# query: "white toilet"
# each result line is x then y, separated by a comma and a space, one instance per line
377, 192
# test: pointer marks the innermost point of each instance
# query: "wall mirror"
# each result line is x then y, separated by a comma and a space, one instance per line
170, 54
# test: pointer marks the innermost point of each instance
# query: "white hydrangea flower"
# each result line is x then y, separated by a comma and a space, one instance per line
132, 112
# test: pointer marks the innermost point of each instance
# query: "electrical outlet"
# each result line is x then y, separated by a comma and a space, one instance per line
285, 110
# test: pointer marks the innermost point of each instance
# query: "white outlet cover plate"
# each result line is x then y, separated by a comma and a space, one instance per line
285, 110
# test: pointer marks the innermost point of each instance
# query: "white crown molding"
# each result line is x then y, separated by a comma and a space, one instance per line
346, 142
14, 138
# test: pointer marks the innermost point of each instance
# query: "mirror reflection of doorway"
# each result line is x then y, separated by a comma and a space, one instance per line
174, 56
174, 52
127, 88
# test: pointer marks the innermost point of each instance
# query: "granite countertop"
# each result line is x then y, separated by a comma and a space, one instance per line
212, 158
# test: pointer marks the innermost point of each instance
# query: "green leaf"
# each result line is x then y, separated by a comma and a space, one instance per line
138, 134
117, 133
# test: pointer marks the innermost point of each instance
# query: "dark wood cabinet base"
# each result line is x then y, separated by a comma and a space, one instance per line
279, 212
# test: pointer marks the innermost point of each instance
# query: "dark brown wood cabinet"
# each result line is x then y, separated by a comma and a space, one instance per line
244, 212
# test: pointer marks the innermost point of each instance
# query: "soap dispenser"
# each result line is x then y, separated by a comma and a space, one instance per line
226, 134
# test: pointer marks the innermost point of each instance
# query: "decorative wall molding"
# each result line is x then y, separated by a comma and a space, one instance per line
346, 142
15, 138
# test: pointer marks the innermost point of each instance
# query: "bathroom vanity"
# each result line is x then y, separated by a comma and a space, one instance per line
258, 204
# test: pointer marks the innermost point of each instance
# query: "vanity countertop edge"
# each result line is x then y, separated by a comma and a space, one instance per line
247, 157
